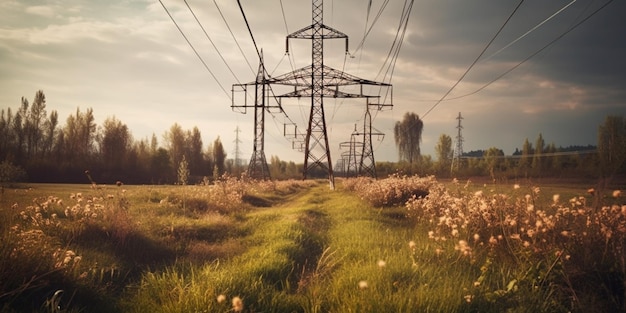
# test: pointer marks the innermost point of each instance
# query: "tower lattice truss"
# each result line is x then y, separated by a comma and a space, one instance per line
318, 81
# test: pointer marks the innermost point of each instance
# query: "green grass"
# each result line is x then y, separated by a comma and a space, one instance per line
280, 247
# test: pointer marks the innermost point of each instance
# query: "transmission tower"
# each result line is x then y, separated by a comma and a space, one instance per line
318, 81
258, 164
458, 150
351, 159
368, 164
237, 150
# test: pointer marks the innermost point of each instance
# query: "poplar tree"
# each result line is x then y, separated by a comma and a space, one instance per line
408, 136
612, 145
443, 150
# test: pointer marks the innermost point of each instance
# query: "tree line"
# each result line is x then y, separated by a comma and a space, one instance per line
607, 159
35, 147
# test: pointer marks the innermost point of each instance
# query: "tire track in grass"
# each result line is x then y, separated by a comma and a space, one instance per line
285, 241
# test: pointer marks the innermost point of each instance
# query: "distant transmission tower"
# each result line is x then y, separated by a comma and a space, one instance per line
458, 150
237, 151
258, 164
318, 81
350, 158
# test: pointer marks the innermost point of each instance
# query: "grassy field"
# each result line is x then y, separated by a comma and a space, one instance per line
402, 244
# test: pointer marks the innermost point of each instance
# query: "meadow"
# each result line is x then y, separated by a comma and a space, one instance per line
400, 244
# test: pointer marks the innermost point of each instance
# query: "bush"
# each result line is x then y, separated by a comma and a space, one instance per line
10, 173
390, 191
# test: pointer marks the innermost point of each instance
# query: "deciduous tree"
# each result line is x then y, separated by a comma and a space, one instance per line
612, 145
408, 136
219, 156
443, 150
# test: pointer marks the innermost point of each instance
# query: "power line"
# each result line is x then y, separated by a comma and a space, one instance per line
397, 44
210, 40
194, 50
529, 31
529, 57
534, 54
476, 60
368, 30
262, 65
292, 61
234, 38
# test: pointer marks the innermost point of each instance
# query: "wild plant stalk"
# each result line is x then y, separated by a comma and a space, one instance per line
183, 176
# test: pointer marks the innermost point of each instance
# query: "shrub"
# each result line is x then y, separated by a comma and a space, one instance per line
394, 190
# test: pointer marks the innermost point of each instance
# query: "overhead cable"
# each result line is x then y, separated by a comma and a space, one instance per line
475, 61
210, 40
529, 31
194, 50
534, 54
234, 38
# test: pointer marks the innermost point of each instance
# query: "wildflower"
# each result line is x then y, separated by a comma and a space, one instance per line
476, 284
237, 304
530, 208
493, 240
381, 263
617, 193
431, 234
412, 245
363, 285
455, 233
478, 193
463, 247
516, 186
468, 298
221, 298
438, 251
565, 233
591, 191
555, 198
476, 237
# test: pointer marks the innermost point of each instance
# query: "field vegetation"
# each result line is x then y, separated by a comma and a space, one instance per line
400, 244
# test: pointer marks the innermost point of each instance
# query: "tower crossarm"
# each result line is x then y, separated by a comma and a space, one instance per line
332, 77
311, 32
326, 93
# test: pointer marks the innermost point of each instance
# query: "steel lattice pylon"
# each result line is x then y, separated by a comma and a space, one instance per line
368, 164
318, 81
351, 158
257, 168
458, 150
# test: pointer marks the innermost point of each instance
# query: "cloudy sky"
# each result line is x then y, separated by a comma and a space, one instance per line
126, 58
